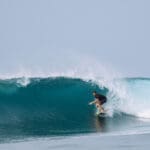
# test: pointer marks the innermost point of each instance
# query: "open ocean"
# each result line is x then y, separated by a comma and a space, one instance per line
53, 113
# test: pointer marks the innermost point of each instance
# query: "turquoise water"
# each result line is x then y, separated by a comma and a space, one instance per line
33, 108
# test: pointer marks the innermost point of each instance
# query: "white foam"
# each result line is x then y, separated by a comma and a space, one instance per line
23, 81
130, 98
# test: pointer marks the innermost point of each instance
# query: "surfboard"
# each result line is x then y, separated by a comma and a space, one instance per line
102, 115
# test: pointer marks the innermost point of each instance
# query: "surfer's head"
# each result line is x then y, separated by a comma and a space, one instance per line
94, 93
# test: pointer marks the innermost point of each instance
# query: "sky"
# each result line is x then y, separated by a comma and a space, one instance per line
59, 34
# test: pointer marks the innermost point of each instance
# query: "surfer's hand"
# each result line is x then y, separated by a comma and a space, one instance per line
90, 103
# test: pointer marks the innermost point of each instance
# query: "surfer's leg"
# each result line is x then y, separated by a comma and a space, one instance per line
101, 109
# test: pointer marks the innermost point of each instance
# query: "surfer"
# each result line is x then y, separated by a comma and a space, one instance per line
99, 101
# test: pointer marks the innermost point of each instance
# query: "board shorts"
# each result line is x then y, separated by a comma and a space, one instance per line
102, 101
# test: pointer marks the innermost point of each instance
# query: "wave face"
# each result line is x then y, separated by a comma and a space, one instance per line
58, 106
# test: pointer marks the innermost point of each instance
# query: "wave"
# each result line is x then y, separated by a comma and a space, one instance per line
57, 105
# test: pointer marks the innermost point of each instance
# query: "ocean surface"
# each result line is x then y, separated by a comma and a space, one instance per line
53, 113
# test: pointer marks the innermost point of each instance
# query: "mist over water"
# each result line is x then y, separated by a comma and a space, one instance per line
68, 63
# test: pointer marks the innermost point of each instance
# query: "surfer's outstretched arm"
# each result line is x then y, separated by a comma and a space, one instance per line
92, 102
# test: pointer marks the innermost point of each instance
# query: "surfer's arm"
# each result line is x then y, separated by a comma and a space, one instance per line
92, 102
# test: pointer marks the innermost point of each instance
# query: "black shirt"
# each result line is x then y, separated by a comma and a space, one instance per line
100, 97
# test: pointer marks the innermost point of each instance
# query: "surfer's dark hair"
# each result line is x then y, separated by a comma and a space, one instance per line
94, 92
